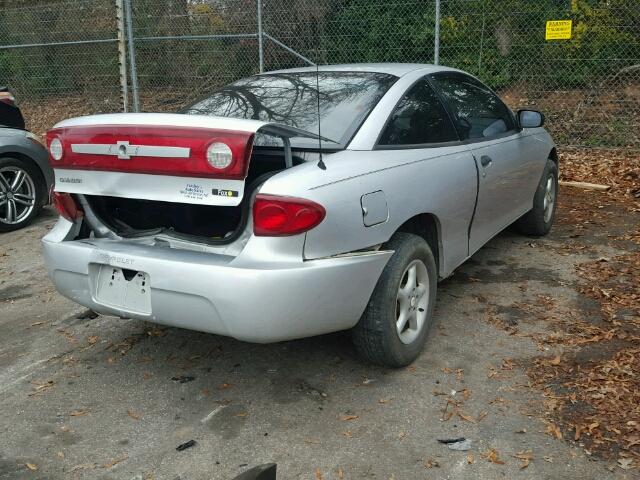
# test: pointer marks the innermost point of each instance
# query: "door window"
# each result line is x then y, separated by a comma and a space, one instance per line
478, 112
419, 118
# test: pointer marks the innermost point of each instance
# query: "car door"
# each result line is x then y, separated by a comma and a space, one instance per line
440, 175
502, 153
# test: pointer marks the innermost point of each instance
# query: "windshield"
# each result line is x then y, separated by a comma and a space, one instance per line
346, 98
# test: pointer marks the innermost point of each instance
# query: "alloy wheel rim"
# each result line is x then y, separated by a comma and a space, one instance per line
17, 195
549, 198
412, 301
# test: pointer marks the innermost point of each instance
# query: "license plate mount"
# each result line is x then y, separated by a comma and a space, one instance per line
123, 289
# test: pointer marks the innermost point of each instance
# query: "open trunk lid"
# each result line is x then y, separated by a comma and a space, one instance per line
160, 157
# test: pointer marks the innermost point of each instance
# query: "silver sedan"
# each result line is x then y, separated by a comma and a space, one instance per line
296, 203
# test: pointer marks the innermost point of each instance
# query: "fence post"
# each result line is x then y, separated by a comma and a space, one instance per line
260, 38
132, 57
436, 39
122, 56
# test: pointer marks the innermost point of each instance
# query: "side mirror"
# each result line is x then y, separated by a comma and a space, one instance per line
530, 118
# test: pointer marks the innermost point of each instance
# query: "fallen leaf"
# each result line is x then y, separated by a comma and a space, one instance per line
348, 434
93, 339
470, 459
37, 323
241, 414
32, 466
157, 332
466, 417
553, 430
340, 473
525, 457
492, 456
384, 401
347, 418
556, 360
113, 462
60, 454
431, 463
625, 463
318, 474
133, 414
79, 413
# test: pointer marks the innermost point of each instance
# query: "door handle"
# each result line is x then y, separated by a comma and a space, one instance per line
485, 160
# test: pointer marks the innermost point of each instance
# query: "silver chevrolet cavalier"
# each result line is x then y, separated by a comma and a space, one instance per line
296, 203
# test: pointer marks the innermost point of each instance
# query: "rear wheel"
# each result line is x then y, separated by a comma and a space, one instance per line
394, 327
539, 219
22, 193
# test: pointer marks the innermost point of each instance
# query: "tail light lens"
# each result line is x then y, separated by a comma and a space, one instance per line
55, 149
66, 206
275, 216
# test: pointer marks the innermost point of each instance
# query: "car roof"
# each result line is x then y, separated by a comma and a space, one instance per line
396, 69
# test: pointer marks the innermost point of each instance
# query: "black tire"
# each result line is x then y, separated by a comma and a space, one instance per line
375, 336
536, 222
7, 166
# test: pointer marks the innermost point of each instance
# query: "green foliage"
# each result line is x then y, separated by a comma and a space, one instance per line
502, 41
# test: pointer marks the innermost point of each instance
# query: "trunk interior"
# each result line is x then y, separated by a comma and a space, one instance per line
212, 224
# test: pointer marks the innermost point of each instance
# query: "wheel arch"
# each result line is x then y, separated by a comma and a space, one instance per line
427, 226
553, 155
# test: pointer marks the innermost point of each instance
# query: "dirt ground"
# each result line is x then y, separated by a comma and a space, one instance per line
533, 357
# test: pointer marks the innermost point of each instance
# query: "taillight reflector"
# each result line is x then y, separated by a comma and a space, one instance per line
276, 216
66, 206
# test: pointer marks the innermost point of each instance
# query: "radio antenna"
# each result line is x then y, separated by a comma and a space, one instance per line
321, 164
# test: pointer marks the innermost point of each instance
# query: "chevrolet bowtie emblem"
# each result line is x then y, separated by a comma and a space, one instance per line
125, 151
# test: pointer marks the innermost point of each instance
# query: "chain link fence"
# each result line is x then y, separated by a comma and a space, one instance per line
65, 58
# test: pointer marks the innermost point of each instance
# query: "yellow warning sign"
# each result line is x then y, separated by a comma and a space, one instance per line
558, 30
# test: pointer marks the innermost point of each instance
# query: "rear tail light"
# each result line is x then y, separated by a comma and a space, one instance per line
55, 149
66, 206
275, 216
219, 155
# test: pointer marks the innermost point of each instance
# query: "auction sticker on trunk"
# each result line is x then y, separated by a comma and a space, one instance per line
194, 191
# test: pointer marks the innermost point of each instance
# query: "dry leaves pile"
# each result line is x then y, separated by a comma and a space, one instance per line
595, 393
592, 391
616, 168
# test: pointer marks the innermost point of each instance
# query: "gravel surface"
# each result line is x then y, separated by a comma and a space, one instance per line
107, 398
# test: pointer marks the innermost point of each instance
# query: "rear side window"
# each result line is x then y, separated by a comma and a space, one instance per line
478, 112
419, 118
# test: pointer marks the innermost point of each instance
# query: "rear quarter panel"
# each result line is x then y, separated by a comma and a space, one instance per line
440, 181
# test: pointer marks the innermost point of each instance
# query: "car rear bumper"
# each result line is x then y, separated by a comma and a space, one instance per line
251, 300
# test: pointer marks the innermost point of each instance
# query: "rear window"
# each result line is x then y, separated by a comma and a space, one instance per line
346, 98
